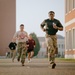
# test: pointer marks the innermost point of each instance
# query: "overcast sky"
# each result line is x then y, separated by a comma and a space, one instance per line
32, 12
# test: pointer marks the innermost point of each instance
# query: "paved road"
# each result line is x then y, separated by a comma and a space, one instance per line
36, 67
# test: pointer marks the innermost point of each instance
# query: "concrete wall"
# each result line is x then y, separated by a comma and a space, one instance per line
7, 23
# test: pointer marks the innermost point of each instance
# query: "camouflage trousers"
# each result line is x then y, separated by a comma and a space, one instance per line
51, 42
13, 54
21, 48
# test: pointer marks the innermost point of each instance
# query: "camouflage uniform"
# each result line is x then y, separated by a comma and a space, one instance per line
51, 41
21, 37
21, 48
13, 54
51, 38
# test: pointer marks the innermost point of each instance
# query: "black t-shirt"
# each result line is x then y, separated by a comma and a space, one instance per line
12, 46
49, 26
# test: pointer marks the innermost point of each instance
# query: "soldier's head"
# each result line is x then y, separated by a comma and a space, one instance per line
51, 14
22, 27
30, 36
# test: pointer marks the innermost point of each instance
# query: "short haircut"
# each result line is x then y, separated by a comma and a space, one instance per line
21, 25
51, 12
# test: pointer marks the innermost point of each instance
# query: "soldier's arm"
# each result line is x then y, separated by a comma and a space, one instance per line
27, 43
60, 27
42, 25
15, 37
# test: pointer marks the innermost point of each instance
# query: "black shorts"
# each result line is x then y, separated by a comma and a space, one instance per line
30, 50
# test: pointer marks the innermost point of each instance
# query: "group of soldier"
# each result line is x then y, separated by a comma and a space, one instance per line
26, 44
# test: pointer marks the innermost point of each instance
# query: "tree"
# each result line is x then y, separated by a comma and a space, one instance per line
37, 47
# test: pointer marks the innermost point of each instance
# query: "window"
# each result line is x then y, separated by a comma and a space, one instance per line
73, 3
67, 6
62, 46
59, 45
67, 38
73, 38
70, 40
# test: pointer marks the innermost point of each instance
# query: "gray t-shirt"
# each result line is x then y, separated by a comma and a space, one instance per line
21, 36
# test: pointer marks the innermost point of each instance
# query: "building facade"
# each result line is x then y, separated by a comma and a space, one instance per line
61, 46
7, 24
42, 52
70, 29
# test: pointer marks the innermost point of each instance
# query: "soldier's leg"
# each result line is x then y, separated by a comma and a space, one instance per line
55, 44
19, 50
50, 48
14, 54
23, 54
52, 51
54, 38
47, 51
29, 57
52, 56
32, 54
11, 53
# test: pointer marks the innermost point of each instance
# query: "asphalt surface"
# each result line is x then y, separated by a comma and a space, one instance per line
36, 67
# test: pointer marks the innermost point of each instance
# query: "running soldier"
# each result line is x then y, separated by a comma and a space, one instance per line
21, 37
31, 46
51, 27
12, 47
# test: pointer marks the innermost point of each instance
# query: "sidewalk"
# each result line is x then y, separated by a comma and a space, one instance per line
36, 67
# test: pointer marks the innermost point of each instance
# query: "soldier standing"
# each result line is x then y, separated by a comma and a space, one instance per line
21, 37
51, 27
